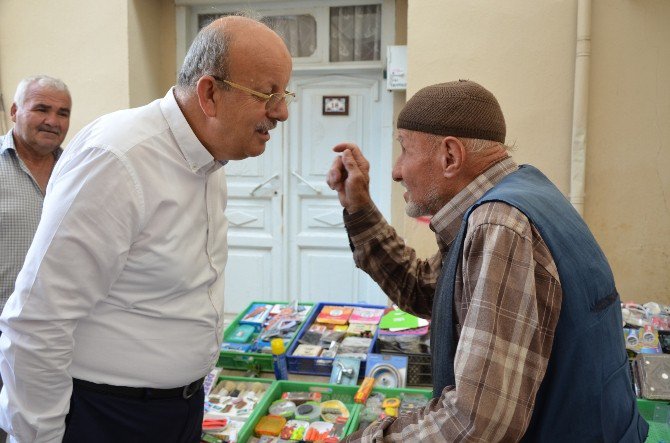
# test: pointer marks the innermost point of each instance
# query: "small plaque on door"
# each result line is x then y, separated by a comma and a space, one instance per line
336, 105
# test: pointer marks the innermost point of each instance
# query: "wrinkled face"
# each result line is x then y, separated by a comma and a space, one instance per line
42, 120
245, 120
419, 171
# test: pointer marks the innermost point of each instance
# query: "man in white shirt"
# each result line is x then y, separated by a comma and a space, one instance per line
117, 313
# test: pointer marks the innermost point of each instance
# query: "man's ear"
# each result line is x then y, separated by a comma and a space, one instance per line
12, 112
207, 95
453, 156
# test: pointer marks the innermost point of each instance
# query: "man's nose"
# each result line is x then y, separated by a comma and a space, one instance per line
279, 112
395, 173
52, 119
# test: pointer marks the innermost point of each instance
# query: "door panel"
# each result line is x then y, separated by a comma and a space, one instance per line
255, 194
339, 282
317, 241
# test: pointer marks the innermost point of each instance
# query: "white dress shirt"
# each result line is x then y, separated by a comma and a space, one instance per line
123, 283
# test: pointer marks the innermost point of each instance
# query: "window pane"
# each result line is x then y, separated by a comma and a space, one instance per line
206, 19
355, 33
298, 31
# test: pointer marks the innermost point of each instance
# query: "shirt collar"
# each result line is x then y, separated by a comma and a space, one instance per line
197, 156
447, 221
8, 144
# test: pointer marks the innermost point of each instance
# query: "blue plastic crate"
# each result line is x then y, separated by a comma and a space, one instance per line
252, 360
322, 365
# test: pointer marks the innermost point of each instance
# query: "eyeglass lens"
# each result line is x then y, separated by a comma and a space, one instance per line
275, 99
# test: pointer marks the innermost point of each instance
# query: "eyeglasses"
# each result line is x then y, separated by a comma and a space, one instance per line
271, 100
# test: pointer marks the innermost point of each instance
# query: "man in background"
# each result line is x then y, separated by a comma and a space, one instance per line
526, 338
28, 153
117, 314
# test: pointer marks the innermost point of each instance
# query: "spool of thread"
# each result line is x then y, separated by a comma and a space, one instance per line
632, 339
257, 387
648, 336
309, 411
332, 409
219, 389
283, 408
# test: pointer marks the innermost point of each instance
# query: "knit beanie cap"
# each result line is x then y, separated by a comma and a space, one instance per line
461, 109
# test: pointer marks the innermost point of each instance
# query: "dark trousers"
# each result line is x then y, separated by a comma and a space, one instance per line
108, 418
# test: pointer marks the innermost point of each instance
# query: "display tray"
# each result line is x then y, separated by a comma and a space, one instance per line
657, 414
323, 366
328, 392
388, 392
245, 360
232, 414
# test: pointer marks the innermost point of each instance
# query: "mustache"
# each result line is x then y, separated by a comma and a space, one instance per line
266, 126
49, 128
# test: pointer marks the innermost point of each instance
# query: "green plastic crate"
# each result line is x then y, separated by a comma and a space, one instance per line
657, 414
328, 392
254, 412
388, 392
252, 361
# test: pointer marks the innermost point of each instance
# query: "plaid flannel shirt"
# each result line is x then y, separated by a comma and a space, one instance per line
507, 285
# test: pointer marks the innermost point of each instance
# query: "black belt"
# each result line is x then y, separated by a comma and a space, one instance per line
185, 392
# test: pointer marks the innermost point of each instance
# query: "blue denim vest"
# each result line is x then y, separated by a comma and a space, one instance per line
586, 394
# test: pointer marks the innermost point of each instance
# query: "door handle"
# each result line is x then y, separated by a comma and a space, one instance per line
260, 185
302, 179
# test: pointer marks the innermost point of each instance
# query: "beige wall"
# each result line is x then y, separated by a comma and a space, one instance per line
152, 43
628, 162
111, 53
524, 52
82, 43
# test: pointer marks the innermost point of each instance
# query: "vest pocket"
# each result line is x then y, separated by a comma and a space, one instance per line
604, 302
617, 404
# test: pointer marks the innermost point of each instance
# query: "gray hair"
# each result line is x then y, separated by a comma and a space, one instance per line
208, 54
44, 81
473, 145
477, 145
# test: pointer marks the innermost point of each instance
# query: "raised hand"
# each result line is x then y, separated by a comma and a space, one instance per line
349, 175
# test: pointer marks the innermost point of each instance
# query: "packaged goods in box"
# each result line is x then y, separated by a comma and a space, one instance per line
324, 336
230, 402
246, 342
651, 376
383, 402
303, 411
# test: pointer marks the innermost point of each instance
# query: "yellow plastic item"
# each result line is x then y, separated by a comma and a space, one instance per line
363, 392
391, 406
277, 346
332, 409
269, 425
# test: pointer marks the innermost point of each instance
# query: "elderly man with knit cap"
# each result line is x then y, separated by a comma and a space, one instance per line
526, 337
